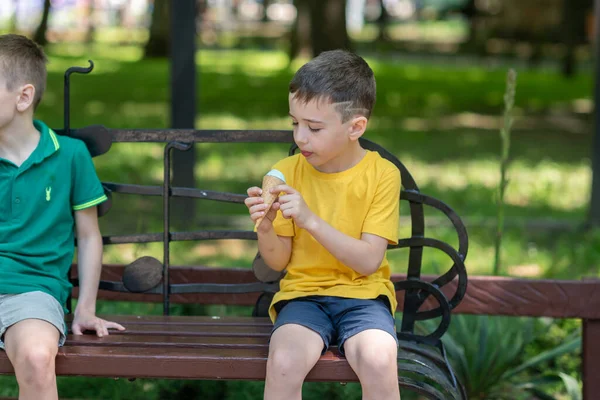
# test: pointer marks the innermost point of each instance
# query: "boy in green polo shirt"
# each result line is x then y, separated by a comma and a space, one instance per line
49, 191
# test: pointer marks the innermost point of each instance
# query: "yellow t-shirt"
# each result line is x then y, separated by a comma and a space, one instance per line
364, 198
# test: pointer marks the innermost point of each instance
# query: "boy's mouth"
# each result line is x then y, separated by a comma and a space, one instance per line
307, 154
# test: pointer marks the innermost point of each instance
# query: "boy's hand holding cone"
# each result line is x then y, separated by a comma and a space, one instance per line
271, 179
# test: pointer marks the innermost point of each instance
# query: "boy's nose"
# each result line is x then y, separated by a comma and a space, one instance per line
300, 136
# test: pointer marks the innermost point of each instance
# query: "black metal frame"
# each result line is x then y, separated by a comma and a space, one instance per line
434, 377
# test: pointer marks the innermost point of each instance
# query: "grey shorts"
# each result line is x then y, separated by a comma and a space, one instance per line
32, 305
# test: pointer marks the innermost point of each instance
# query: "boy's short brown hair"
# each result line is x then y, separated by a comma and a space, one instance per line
341, 77
23, 61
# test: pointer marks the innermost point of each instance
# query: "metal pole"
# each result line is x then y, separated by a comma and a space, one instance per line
595, 200
590, 354
183, 97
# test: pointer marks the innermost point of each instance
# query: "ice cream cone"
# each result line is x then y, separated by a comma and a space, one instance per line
271, 179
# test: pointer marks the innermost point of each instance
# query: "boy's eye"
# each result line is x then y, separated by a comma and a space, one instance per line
314, 129
294, 123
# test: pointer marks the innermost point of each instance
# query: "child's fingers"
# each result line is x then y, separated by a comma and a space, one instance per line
258, 208
285, 206
114, 325
76, 329
282, 188
252, 201
287, 214
254, 191
286, 198
257, 215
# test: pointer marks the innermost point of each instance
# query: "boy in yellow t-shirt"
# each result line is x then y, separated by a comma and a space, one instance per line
330, 228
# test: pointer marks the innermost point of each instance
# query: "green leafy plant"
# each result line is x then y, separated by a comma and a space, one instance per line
488, 355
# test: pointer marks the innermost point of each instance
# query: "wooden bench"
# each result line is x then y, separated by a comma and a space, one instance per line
217, 347
236, 348
486, 295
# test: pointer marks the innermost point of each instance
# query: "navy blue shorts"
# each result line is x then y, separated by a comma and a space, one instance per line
336, 319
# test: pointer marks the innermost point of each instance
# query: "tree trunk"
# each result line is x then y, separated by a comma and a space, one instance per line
382, 22
475, 41
320, 25
328, 27
40, 33
183, 102
594, 213
301, 37
470, 12
90, 28
573, 32
266, 4
158, 43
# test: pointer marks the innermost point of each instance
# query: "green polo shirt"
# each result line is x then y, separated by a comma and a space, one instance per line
37, 205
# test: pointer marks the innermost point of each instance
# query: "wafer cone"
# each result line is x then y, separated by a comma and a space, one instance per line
269, 181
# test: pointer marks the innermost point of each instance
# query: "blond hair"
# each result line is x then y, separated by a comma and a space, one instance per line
22, 61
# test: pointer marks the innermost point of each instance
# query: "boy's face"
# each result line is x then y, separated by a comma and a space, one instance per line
8, 100
321, 135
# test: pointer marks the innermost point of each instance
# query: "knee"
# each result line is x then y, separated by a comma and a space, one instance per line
286, 364
35, 364
378, 360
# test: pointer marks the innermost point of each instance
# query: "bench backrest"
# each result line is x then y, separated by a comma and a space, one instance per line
417, 292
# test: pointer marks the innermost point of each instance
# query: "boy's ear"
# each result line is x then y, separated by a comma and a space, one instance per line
26, 96
357, 127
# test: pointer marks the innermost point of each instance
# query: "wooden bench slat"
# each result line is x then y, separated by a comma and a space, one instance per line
168, 341
196, 330
486, 295
204, 363
183, 320
231, 342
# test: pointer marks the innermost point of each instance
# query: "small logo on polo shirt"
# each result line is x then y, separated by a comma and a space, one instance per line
48, 191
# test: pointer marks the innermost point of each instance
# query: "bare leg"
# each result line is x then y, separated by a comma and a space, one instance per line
372, 354
293, 352
31, 346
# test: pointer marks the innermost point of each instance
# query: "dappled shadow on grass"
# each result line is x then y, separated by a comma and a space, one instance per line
460, 184
561, 252
530, 147
529, 254
236, 83
421, 89
132, 213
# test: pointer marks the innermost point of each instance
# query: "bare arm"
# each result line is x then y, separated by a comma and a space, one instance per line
275, 250
89, 266
89, 258
363, 255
